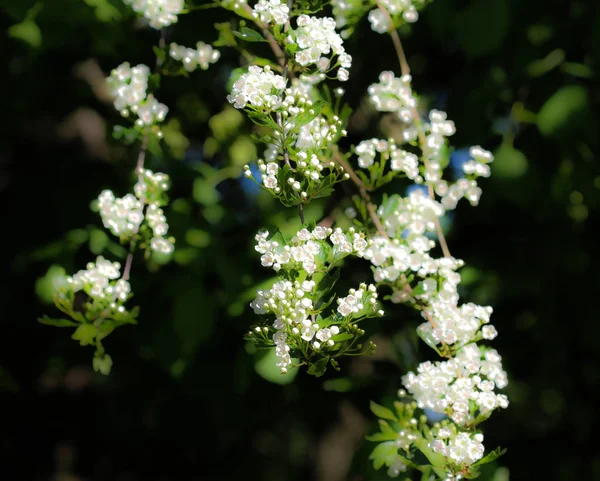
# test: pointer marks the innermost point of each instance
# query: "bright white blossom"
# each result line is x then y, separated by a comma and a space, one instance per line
463, 448
394, 94
159, 13
305, 248
122, 216
98, 281
271, 11
317, 39
128, 85
448, 387
400, 160
259, 88
203, 55
358, 300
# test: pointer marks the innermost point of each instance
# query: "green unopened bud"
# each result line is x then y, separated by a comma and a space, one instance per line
85, 334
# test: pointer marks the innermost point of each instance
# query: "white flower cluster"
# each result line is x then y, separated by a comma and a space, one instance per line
158, 223
305, 248
128, 85
159, 13
316, 38
467, 187
319, 133
203, 55
122, 216
292, 306
151, 112
152, 186
418, 213
394, 94
455, 324
271, 11
97, 281
358, 300
448, 387
392, 258
259, 88
310, 168
463, 448
380, 21
400, 160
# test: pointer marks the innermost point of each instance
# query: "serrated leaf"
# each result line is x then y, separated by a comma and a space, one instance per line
318, 368
382, 412
490, 457
381, 453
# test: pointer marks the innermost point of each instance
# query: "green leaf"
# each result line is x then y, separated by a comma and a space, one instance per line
562, 109
382, 453
249, 35
98, 241
28, 31
48, 321
382, 412
490, 457
85, 334
318, 368
509, 163
378, 437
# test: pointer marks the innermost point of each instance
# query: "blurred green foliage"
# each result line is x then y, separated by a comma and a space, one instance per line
187, 398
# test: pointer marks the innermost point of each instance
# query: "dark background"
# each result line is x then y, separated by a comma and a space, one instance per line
187, 399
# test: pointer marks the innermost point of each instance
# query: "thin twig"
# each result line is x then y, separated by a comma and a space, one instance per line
363, 193
405, 69
268, 36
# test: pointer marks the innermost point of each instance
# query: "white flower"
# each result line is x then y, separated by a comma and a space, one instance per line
380, 22
393, 94
122, 216
259, 88
159, 13
271, 11
202, 56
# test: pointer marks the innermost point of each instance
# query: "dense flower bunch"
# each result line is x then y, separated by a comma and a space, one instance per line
301, 328
462, 387
124, 216
129, 88
271, 11
305, 319
94, 298
260, 88
316, 39
159, 13
394, 94
202, 56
